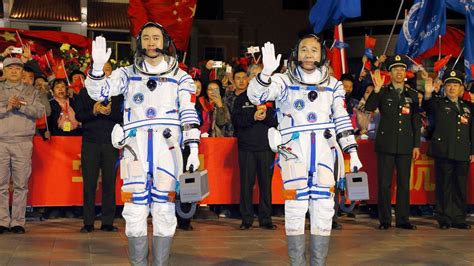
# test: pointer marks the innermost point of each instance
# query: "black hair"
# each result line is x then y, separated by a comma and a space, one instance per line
57, 81
75, 72
28, 69
238, 70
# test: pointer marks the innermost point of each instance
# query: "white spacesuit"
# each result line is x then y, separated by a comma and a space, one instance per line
157, 96
312, 115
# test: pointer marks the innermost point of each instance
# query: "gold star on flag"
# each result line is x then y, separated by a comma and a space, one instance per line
8, 36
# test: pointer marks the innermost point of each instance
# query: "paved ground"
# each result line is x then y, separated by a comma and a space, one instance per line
218, 242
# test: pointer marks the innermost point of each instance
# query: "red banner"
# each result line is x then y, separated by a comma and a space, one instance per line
57, 180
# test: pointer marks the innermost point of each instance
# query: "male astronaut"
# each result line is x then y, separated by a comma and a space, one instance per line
157, 96
311, 116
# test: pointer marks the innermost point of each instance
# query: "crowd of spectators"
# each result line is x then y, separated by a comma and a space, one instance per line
216, 93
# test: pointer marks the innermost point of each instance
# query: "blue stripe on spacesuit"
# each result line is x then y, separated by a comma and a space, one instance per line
293, 180
339, 129
181, 81
309, 88
325, 166
312, 168
164, 170
166, 198
307, 127
343, 124
188, 90
321, 193
162, 191
133, 183
150, 152
159, 79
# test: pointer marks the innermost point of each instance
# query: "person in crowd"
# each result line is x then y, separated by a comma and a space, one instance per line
216, 115
62, 121
240, 80
305, 140
348, 85
28, 76
251, 124
452, 147
25, 56
159, 111
254, 70
98, 156
20, 106
41, 85
398, 140
366, 121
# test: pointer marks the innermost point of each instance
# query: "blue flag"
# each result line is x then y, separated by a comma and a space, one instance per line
340, 45
425, 21
467, 8
327, 13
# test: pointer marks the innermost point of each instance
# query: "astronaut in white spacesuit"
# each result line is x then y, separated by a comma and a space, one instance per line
312, 122
159, 98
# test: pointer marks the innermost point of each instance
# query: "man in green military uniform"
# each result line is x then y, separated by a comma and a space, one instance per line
452, 147
397, 141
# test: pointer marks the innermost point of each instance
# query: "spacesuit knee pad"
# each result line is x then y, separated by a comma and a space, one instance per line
322, 211
295, 214
133, 175
164, 219
135, 219
294, 174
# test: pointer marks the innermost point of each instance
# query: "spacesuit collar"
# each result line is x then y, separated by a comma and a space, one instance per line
310, 78
160, 68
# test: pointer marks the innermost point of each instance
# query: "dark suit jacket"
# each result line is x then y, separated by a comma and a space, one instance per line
399, 129
453, 133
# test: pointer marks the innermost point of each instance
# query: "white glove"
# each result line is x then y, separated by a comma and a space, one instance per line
355, 162
270, 62
100, 55
117, 136
193, 159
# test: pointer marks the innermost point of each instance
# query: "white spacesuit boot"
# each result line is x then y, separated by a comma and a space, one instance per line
161, 250
319, 247
296, 250
138, 250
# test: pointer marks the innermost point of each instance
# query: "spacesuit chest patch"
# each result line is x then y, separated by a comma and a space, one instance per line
299, 104
150, 112
311, 117
138, 98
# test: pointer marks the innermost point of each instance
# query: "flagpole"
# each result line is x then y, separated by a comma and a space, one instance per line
342, 50
21, 42
393, 27
439, 47
64, 69
47, 61
184, 56
457, 59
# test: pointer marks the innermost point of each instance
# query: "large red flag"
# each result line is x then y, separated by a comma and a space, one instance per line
338, 53
176, 16
451, 44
